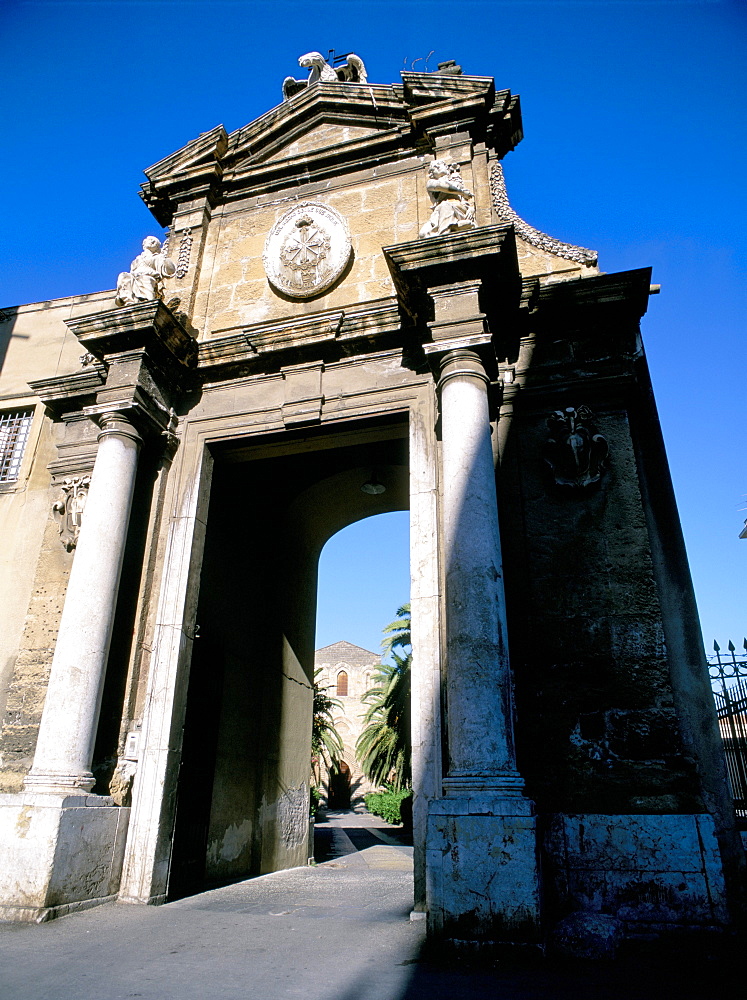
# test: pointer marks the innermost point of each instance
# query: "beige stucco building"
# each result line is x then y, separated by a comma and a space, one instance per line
349, 290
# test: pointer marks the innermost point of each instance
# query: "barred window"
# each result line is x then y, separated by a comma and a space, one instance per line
14, 431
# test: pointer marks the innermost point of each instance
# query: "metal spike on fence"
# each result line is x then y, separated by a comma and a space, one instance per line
716, 646
731, 647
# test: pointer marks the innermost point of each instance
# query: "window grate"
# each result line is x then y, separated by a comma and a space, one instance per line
14, 431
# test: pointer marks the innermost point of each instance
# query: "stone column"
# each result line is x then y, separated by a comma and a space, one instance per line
480, 724
481, 846
64, 751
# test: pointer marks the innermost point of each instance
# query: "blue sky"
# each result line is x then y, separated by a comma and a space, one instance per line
634, 145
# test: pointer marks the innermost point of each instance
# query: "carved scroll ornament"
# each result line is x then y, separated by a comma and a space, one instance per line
68, 510
575, 451
185, 250
534, 237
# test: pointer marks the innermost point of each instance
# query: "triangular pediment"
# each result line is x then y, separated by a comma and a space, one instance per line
329, 129
324, 135
344, 651
205, 149
315, 119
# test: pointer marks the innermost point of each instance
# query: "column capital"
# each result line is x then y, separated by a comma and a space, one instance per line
115, 422
138, 419
461, 363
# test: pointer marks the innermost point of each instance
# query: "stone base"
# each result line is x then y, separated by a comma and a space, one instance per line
481, 872
654, 874
58, 853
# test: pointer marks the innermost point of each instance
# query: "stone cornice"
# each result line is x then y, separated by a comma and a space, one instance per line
145, 361
626, 291
374, 106
191, 172
439, 251
487, 254
253, 344
147, 325
359, 154
62, 392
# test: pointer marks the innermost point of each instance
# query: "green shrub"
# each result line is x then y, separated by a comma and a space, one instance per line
315, 798
387, 804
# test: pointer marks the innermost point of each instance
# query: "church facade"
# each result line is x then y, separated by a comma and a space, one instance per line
346, 293
346, 673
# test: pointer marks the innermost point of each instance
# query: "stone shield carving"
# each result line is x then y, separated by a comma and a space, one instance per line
307, 250
68, 510
575, 450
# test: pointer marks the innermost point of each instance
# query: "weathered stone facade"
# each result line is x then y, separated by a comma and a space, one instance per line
346, 667
156, 671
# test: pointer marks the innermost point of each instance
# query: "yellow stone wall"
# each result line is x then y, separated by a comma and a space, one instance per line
234, 290
34, 343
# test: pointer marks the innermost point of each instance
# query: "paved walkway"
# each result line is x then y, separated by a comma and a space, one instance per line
337, 931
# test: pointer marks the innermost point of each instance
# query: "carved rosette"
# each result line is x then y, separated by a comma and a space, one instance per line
575, 450
307, 250
68, 509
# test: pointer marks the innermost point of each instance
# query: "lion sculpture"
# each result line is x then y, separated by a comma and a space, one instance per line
320, 71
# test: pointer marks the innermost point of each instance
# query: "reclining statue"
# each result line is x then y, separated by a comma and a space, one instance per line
320, 71
144, 281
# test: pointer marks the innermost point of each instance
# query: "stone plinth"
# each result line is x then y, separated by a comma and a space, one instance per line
654, 873
482, 871
59, 853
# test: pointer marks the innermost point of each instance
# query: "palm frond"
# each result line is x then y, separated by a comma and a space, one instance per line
384, 746
326, 742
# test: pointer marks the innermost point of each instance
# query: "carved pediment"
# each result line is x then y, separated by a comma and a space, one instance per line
321, 136
314, 120
195, 167
332, 128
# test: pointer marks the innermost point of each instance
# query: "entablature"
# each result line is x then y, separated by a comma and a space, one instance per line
330, 332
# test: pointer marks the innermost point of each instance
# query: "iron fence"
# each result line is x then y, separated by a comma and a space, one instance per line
729, 684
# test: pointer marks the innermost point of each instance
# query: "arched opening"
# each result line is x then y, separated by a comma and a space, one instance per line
364, 576
338, 794
242, 796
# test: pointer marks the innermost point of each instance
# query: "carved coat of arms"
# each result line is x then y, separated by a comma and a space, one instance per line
307, 250
68, 509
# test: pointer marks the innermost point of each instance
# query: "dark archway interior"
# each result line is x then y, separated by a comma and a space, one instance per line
241, 805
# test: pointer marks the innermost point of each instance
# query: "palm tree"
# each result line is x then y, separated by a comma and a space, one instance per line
397, 633
384, 747
326, 742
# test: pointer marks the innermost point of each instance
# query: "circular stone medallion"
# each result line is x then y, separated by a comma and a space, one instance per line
306, 250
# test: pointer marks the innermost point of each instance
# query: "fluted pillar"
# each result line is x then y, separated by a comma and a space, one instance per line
64, 751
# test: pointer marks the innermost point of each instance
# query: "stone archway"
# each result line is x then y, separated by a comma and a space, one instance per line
338, 794
242, 790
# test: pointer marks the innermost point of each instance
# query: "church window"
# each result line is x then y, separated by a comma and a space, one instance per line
14, 431
342, 684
